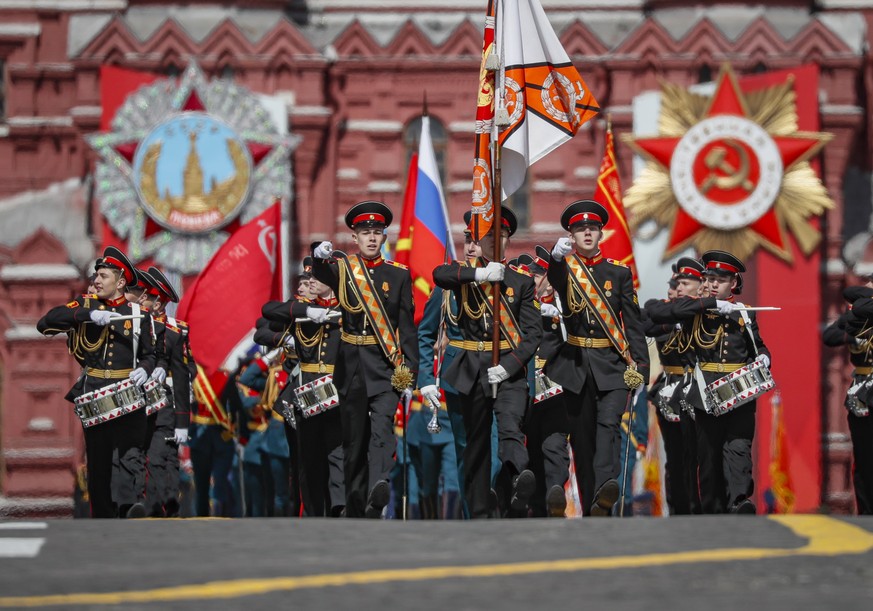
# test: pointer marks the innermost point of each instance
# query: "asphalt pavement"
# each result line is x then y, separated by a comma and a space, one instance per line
699, 562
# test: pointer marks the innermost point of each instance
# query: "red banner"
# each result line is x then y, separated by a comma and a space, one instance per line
225, 301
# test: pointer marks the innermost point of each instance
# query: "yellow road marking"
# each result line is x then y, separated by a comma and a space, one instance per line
825, 537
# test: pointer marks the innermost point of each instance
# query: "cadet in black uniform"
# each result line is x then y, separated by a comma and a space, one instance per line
319, 437
472, 373
169, 426
854, 329
547, 425
724, 339
595, 371
377, 355
106, 349
668, 393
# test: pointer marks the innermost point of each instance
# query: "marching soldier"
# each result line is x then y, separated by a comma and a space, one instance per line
547, 425
724, 338
854, 329
319, 436
171, 422
473, 374
668, 393
378, 354
112, 350
605, 357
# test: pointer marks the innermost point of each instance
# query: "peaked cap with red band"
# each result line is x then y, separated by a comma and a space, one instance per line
148, 283
689, 267
117, 260
369, 214
721, 262
584, 211
164, 284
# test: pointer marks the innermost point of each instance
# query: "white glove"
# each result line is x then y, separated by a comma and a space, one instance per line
549, 310
318, 315
159, 374
323, 251
406, 396
103, 317
180, 436
724, 307
668, 390
562, 248
493, 272
289, 342
764, 359
497, 374
431, 395
139, 376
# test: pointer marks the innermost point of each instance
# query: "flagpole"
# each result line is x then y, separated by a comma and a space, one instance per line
284, 245
497, 197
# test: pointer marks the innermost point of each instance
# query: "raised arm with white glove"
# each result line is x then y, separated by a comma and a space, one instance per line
724, 307
493, 272
159, 374
180, 436
497, 374
562, 248
102, 317
318, 315
323, 251
139, 376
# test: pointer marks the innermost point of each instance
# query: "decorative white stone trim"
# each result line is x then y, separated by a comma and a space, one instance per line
26, 333
373, 125
64, 5
40, 121
39, 271
462, 185
384, 186
585, 171
41, 424
4, 131
549, 186
19, 453
19, 30
835, 267
348, 173
310, 111
841, 109
86, 111
462, 127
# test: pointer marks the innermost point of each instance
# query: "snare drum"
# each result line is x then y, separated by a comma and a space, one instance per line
738, 388
854, 402
545, 388
108, 403
665, 400
317, 396
155, 396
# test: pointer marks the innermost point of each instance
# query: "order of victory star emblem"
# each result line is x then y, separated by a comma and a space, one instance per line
730, 171
186, 163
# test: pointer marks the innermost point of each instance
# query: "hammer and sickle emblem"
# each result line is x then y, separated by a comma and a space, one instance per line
730, 177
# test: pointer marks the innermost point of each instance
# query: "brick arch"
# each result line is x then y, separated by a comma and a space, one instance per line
762, 40
115, 40
285, 38
410, 40
650, 37
225, 39
577, 39
170, 38
818, 38
356, 41
705, 37
466, 40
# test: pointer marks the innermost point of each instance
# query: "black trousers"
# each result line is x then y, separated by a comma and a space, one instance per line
478, 410
368, 441
320, 448
724, 455
861, 430
680, 446
547, 428
126, 435
162, 464
595, 436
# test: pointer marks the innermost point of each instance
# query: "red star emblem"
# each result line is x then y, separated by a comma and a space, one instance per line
726, 171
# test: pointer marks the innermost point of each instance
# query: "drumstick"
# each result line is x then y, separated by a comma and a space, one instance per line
329, 316
752, 309
125, 317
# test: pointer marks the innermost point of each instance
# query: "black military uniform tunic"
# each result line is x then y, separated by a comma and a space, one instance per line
854, 329
107, 355
468, 373
680, 441
363, 375
591, 370
722, 344
319, 437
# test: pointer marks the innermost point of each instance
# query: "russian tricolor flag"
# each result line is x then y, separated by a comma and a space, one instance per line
429, 226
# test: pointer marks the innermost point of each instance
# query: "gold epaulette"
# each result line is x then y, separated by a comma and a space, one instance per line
537, 304
396, 264
614, 262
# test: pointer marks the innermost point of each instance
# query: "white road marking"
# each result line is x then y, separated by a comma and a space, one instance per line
20, 548
23, 525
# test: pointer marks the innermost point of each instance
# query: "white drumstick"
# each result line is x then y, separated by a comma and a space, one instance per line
329, 316
752, 309
114, 318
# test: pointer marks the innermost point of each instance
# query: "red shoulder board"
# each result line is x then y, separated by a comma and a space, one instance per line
73, 304
395, 264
